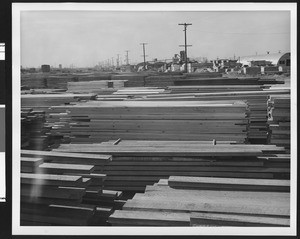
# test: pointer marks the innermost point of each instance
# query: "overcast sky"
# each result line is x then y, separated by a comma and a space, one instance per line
85, 38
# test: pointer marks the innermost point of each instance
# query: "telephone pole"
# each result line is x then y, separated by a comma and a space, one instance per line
144, 54
185, 44
127, 59
118, 59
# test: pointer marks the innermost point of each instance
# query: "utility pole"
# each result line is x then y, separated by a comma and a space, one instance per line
127, 59
185, 44
144, 54
118, 59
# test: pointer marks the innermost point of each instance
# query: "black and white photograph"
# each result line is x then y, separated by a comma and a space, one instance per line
2, 124
154, 119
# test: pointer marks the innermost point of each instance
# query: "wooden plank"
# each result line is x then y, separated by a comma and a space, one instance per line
63, 168
237, 207
149, 218
235, 220
191, 173
206, 150
50, 179
31, 162
229, 183
194, 168
52, 191
66, 155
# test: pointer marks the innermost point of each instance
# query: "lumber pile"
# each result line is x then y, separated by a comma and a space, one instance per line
256, 101
96, 121
279, 120
63, 189
137, 164
33, 81
213, 88
95, 86
132, 80
59, 81
226, 81
93, 77
162, 80
203, 74
35, 128
42, 91
131, 93
47, 100
34, 134
163, 205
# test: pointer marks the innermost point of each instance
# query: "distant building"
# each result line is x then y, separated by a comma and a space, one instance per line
45, 68
202, 66
32, 70
60, 66
274, 59
224, 65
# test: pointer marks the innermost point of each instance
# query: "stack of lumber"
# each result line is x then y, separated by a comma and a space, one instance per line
201, 201
137, 164
96, 121
59, 82
63, 189
162, 80
279, 120
256, 101
130, 93
140, 91
204, 74
42, 91
95, 86
33, 81
34, 134
93, 77
132, 80
225, 81
213, 88
44, 101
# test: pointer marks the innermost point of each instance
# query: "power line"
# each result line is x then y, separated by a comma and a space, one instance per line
247, 33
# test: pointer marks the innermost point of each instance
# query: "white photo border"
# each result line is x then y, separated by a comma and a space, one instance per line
17, 8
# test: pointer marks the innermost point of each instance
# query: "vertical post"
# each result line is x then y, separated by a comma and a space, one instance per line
185, 44
127, 59
185, 49
118, 60
144, 54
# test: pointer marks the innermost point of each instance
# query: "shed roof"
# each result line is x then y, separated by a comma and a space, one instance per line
273, 58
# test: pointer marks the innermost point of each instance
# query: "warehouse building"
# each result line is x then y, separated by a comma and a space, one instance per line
270, 59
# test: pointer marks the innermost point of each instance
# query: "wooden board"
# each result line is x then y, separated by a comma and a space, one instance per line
236, 220
230, 183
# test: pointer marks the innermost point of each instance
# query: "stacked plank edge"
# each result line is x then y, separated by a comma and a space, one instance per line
202, 201
63, 189
280, 120
96, 121
136, 164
